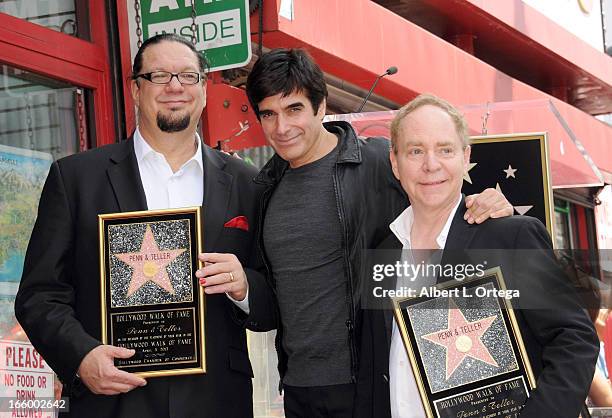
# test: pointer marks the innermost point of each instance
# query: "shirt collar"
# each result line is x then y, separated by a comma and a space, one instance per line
402, 225
143, 150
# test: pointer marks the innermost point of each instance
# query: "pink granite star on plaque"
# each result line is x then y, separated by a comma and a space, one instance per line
149, 265
462, 338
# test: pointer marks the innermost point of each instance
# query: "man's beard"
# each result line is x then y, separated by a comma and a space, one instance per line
171, 124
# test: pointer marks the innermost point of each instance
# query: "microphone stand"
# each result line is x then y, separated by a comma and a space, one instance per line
390, 71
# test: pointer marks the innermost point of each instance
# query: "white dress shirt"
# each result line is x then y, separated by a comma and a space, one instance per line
405, 399
165, 189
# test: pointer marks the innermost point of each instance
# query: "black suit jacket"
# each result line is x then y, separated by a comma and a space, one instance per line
58, 302
561, 342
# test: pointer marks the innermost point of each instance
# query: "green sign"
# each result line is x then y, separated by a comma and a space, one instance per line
222, 27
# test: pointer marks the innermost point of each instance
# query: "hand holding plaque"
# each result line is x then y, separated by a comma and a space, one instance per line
98, 372
223, 273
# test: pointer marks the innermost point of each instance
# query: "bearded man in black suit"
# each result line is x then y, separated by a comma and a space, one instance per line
430, 152
163, 165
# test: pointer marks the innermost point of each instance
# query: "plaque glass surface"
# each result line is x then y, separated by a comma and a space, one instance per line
466, 351
151, 300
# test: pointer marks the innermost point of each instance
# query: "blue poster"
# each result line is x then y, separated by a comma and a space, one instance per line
22, 175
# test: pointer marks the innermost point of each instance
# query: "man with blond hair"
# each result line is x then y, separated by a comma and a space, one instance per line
430, 152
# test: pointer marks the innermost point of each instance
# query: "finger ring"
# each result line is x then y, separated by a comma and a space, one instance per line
231, 276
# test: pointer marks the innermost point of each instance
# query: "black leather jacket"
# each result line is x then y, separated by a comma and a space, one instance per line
368, 199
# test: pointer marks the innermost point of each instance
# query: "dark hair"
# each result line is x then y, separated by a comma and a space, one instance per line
167, 37
284, 71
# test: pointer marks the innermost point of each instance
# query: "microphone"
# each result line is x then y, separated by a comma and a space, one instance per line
390, 71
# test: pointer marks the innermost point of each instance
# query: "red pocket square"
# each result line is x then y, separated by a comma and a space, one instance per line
240, 222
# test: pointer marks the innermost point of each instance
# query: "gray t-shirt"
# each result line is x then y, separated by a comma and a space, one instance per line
303, 241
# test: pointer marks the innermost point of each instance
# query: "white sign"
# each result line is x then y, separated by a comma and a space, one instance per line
221, 28
570, 15
25, 378
214, 30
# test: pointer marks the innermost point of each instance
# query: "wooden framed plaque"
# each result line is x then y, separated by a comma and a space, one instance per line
151, 300
466, 350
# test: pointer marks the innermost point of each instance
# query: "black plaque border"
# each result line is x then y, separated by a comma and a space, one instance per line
540, 173
410, 344
192, 214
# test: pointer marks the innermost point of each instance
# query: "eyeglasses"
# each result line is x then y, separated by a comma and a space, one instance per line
165, 77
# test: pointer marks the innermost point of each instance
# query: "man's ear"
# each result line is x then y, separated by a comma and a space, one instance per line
466, 157
204, 90
322, 109
135, 89
393, 159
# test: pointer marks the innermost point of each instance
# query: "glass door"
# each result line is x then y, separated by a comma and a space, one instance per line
55, 100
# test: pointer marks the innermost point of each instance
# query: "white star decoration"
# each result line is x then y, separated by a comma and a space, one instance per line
510, 171
521, 210
466, 175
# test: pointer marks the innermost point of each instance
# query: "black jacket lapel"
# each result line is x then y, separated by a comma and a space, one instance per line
460, 233
217, 191
391, 243
124, 177
460, 236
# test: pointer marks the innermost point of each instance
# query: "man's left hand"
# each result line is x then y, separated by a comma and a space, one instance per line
488, 204
223, 273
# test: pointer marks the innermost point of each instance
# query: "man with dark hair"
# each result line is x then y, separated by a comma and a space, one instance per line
289, 71
329, 195
163, 165
165, 37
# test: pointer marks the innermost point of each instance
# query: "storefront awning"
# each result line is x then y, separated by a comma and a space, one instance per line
570, 164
